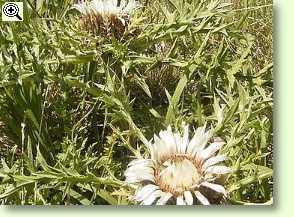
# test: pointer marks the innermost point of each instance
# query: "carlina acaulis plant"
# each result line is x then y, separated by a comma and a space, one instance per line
137, 102
105, 17
179, 170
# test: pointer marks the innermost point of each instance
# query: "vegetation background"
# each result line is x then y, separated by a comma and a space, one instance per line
75, 108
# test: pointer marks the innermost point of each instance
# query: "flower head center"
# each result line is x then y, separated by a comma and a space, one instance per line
178, 174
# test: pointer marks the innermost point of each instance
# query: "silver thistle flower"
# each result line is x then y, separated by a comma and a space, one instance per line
106, 7
178, 169
106, 16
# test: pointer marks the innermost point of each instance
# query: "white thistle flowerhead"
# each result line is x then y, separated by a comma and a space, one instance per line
179, 169
106, 16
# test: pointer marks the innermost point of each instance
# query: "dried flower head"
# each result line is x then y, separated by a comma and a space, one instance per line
178, 169
106, 17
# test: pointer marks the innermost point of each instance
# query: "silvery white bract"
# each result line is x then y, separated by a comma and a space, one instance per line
106, 7
178, 169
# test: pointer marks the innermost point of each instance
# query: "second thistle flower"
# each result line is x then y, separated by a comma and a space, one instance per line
106, 17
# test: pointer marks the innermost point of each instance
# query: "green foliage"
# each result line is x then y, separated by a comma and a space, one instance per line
77, 107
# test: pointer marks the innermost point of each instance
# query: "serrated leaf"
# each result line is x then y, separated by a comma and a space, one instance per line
141, 82
170, 115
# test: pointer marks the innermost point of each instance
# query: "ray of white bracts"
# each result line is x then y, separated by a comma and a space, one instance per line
106, 7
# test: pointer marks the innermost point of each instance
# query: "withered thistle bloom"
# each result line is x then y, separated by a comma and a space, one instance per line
106, 17
179, 170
